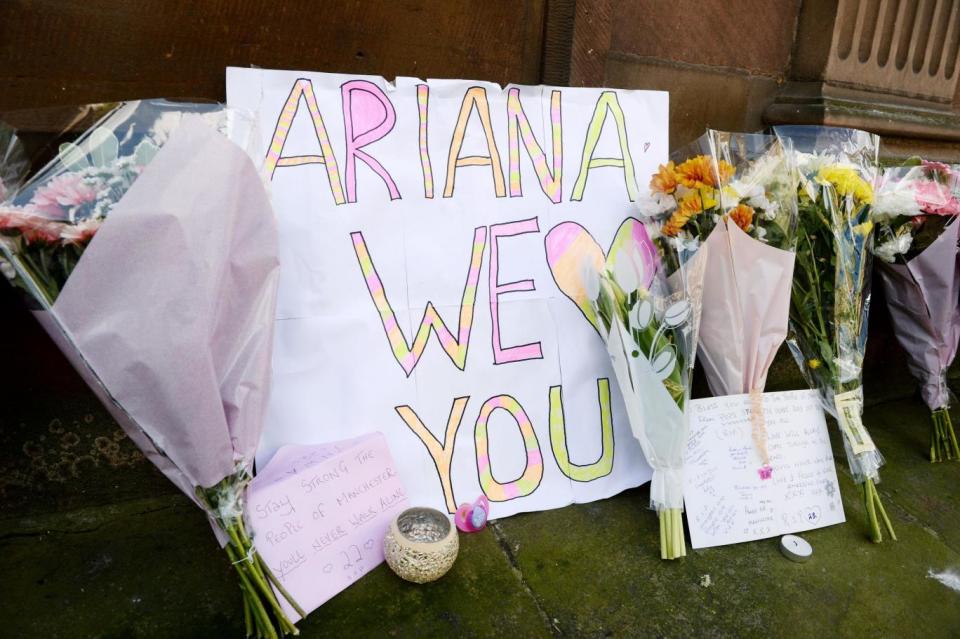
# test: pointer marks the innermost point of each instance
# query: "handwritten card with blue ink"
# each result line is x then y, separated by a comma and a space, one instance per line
319, 515
727, 501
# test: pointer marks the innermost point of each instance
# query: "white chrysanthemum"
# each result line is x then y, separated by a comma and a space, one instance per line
746, 189
889, 250
893, 200
771, 211
763, 169
810, 163
654, 204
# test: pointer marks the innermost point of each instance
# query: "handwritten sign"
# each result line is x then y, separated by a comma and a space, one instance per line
432, 234
319, 515
726, 500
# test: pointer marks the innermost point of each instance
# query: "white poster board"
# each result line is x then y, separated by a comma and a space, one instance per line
418, 297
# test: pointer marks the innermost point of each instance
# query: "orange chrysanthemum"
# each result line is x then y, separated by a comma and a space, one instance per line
690, 205
675, 224
742, 216
700, 171
665, 179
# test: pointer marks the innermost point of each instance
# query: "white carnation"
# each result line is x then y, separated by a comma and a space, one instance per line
893, 200
889, 250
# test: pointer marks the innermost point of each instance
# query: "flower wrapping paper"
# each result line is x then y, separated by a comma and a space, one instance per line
745, 308
922, 296
169, 315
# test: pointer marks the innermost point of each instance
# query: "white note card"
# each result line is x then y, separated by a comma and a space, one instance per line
727, 499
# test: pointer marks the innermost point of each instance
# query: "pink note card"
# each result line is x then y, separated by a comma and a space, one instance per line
319, 515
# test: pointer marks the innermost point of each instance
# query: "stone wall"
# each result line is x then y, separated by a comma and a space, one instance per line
731, 64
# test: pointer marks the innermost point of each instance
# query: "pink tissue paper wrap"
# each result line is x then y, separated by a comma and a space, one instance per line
922, 296
169, 313
746, 305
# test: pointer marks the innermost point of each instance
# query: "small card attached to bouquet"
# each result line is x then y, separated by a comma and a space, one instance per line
727, 502
849, 410
320, 513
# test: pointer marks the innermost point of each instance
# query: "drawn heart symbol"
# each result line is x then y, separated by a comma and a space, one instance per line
575, 258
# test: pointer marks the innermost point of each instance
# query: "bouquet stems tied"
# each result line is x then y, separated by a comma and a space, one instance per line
943, 439
262, 613
672, 542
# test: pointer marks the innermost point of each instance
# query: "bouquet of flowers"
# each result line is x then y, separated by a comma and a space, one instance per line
831, 286
148, 246
648, 324
915, 212
731, 197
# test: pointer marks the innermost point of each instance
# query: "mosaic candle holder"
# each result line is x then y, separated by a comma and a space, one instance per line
421, 545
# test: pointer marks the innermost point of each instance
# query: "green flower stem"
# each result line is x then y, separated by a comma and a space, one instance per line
260, 603
269, 573
875, 534
247, 614
948, 424
264, 624
883, 513
258, 579
672, 543
943, 439
871, 500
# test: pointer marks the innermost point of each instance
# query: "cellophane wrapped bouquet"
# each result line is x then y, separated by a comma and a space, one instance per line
648, 324
915, 212
730, 198
147, 248
837, 169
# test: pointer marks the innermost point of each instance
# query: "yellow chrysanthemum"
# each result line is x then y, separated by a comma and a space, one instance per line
864, 228
814, 364
847, 182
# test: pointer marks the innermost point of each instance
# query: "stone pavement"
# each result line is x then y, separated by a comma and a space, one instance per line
95, 542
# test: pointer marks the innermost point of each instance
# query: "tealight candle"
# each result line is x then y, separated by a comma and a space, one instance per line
421, 545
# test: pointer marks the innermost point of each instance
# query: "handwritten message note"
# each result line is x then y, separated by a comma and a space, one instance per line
319, 515
726, 500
